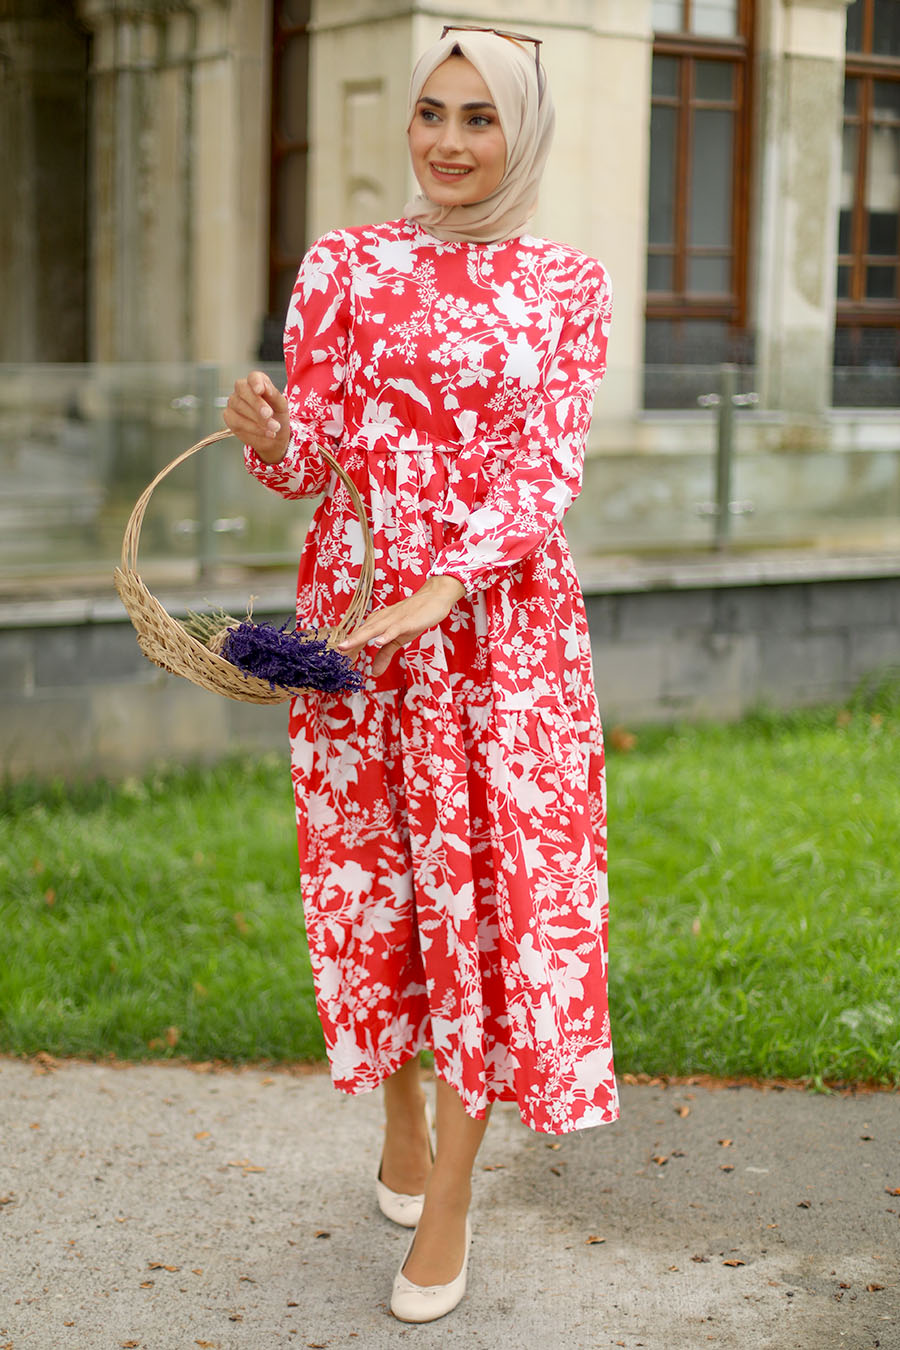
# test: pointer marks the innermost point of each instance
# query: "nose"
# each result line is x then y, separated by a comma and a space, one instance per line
450, 139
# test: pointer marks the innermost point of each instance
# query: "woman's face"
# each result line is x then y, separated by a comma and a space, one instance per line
457, 146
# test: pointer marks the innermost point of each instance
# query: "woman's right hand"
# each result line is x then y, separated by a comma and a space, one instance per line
257, 413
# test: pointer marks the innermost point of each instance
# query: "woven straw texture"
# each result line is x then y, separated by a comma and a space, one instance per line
166, 642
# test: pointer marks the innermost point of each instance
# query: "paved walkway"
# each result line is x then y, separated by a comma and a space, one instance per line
166, 1207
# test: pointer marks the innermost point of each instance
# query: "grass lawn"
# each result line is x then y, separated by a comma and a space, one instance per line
755, 875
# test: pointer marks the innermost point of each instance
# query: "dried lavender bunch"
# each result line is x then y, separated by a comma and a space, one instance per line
286, 657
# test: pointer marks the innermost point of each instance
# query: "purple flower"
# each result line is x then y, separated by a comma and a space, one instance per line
290, 659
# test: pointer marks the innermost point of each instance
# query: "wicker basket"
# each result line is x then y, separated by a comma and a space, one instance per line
165, 642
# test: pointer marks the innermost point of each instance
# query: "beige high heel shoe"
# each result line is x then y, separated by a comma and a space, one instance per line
427, 1302
403, 1209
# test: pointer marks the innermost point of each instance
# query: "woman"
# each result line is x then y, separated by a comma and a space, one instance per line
451, 817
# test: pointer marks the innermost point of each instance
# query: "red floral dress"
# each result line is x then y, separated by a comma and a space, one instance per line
451, 817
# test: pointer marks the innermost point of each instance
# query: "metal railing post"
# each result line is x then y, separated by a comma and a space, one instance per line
724, 455
723, 508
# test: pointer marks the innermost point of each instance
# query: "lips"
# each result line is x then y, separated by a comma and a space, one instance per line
449, 173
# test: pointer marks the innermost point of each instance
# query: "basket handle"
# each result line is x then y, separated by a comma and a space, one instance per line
359, 601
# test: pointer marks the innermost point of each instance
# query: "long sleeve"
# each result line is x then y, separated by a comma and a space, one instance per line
315, 350
543, 474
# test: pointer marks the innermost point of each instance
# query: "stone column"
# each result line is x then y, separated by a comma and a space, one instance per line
801, 75
123, 145
230, 178
180, 178
595, 190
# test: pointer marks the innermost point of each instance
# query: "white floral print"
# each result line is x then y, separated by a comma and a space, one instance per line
451, 817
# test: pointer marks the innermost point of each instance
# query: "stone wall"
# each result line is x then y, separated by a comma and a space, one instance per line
719, 651
704, 640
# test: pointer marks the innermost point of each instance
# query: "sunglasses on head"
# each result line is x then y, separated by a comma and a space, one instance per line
510, 37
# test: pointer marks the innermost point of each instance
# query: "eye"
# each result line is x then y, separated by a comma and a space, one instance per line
428, 114
479, 120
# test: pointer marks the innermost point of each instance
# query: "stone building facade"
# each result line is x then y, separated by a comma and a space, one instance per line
172, 158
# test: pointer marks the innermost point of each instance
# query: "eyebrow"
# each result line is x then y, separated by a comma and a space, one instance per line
466, 107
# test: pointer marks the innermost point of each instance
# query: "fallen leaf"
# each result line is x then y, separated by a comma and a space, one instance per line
700, 1258
147, 1284
235, 1317
247, 1165
804, 1204
660, 1159
725, 1143
202, 1134
172, 1037
843, 1285
726, 1167
160, 1265
8, 1199
553, 1146
867, 1138
292, 1304
590, 1241
734, 1262
322, 1233
35, 1125
873, 1288
556, 1172
891, 1191
196, 1270
493, 1167
683, 1111
208, 1345
128, 1345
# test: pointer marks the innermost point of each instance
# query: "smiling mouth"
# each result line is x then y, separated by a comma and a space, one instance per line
449, 171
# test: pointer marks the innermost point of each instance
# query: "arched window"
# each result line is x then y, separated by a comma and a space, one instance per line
868, 280
699, 175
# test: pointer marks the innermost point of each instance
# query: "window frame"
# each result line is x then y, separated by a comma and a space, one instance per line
858, 310
738, 52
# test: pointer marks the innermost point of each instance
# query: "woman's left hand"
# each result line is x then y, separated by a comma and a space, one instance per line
393, 627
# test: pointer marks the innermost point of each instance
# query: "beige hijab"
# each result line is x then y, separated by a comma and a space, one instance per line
527, 119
